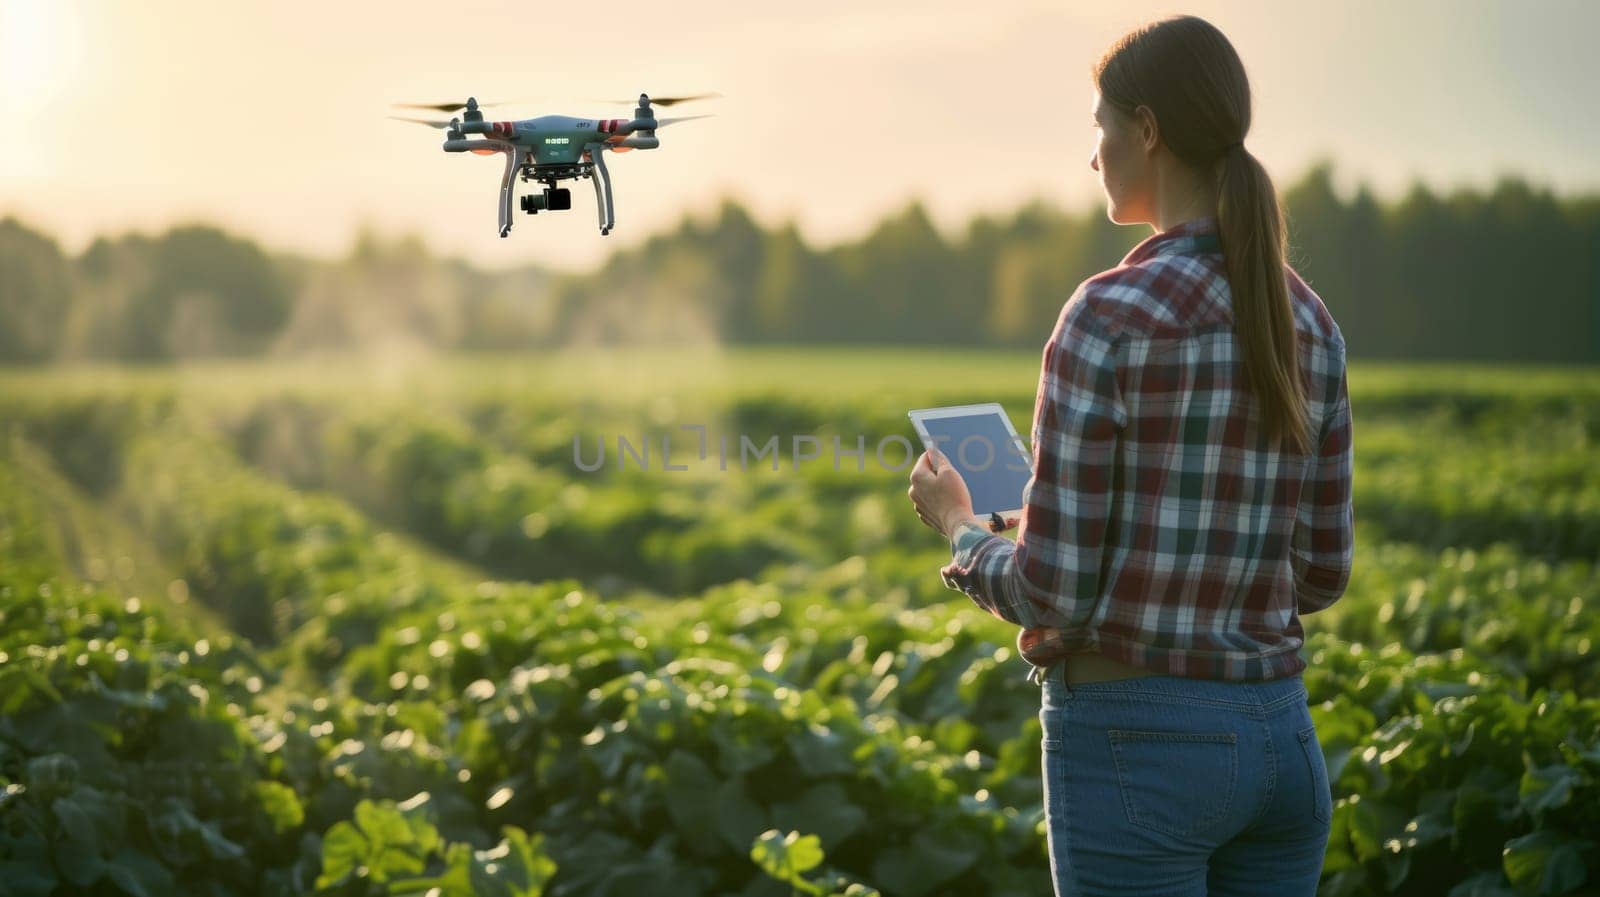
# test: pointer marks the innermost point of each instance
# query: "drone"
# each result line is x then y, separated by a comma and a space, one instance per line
552, 148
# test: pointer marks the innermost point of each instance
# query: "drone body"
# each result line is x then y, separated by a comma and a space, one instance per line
553, 148
556, 139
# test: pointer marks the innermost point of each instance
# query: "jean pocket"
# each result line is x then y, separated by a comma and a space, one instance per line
1180, 783
1321, 796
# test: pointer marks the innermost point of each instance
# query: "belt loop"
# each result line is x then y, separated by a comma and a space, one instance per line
1057, 670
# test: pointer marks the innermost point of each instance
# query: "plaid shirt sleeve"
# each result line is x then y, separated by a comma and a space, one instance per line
1323, 546
1050, 576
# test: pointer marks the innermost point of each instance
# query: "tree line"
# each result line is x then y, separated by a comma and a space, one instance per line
1508, 273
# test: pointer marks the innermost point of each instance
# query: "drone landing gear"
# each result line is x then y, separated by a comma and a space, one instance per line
515, 159
602, 188
554, 198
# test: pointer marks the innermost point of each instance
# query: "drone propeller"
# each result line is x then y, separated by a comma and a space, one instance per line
663, 122
451, 107
432, 123
618, 143
661, 101
668, 101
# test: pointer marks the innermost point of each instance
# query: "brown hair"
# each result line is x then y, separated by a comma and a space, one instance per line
1187, 73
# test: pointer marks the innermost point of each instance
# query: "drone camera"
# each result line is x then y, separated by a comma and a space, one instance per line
552, 200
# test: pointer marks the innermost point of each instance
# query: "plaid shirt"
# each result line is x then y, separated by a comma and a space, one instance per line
1158, 528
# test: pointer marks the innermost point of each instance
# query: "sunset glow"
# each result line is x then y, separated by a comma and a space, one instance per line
269, 118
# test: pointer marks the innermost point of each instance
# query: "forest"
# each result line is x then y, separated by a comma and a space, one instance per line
1509, 273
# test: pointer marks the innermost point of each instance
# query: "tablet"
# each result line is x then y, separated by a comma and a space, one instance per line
983, 445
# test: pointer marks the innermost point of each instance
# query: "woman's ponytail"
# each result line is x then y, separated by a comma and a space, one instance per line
1253, 247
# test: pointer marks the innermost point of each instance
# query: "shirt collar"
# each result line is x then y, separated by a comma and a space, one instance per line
1189, 237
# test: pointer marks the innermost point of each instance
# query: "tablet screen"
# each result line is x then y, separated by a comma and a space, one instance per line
983, 447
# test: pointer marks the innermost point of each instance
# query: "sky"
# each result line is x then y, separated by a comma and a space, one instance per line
269, 118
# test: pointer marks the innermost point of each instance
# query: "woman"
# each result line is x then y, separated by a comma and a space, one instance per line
1190, 499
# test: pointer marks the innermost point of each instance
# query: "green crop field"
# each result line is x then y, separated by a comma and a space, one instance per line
368, 628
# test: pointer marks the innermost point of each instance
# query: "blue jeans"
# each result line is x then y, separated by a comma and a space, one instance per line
1170, 785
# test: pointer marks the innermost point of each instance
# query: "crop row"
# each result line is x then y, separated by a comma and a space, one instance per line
1490, 470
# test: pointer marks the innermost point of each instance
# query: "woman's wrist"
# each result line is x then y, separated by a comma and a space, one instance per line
955, 520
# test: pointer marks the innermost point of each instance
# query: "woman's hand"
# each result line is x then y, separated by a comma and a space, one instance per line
939, 493
1041, 645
